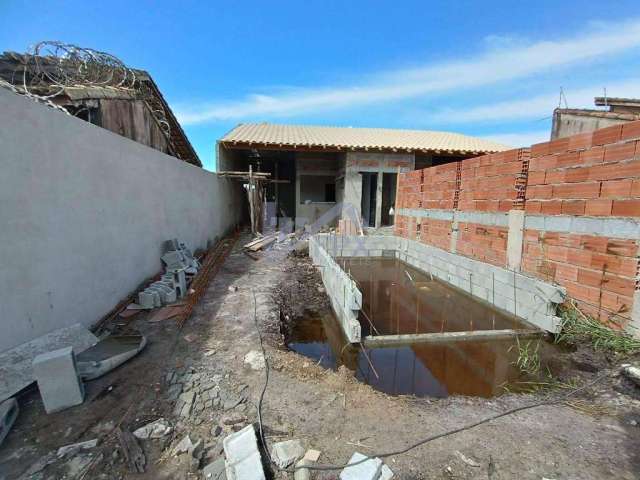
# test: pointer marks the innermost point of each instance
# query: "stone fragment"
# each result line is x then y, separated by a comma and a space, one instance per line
76, 447
156, 429
300, 472
243, 456
184, 446
255, 360
370, 469
58, 380
312, 455
216, 430
215, 470
286, 453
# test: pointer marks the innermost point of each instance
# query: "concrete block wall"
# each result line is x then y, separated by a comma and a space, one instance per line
346, 298
84, 214
565, 211
531, 299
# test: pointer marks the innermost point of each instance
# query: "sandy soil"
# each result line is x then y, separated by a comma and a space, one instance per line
598, 437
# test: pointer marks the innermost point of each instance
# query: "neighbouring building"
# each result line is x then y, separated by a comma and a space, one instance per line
317, 168
571, 121
137, 111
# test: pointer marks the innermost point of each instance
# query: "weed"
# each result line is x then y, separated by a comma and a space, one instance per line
528, 360
577, 328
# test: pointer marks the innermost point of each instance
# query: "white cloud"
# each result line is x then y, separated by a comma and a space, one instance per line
538, 107
519, 139
493, 66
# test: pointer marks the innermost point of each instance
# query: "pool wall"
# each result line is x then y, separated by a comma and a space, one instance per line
530, 299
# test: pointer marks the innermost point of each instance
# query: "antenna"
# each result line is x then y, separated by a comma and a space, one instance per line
606, 100
562, 98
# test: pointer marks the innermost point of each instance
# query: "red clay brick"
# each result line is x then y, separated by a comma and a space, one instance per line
557, 253
592, 156
577, 190
616, 303
630, 130
568, 159
539, 149
590, 277
551, 207
624, 266
608, 135
580, 141
626, 208
573, 175
635, 188
536, 178
625, 248
616, 189
539, 191
582, 292
620, 151
555, 176
582, 258
598, 207
573, 207
593, 243
621, 285
532, 206
559, 146
566, 272
543, 163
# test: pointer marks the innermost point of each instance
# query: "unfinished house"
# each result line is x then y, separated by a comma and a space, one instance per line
130, 104
613, 111
317, 168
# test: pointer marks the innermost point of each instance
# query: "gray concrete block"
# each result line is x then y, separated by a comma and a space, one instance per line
368, 470
287, 453
146, 299
243, 457
58, 380
8, 415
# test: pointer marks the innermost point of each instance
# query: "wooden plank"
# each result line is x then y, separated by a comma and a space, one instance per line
383, 341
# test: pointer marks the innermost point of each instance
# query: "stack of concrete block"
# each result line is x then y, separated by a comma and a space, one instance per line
58, 379
179, 257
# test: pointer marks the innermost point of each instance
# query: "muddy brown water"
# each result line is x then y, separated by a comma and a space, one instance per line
398, 299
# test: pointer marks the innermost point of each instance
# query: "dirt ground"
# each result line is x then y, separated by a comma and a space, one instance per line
204, 363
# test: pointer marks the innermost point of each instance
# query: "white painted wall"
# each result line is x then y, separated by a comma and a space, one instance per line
83, 214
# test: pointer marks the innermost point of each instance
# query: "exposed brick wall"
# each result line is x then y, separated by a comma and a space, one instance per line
582, 176
489, 183
595, 174
436, 232
439, 186
482, 242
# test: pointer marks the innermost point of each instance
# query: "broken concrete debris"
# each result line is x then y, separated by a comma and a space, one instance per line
370, 469
632, 373
287, 453
243, 461
215, 470
179, 262
156, 429
109, 353
302, 473
58, 379
16, 365
255, 360
312, 455
76, 447
8, 415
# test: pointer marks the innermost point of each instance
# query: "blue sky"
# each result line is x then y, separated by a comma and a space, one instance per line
490, 69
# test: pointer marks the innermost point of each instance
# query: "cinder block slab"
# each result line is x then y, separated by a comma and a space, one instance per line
243, 457
368, 470
58, 380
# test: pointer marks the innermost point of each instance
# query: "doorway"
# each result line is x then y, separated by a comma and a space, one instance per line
368, 198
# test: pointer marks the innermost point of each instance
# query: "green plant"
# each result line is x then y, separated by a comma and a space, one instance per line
577, 328
528, 360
